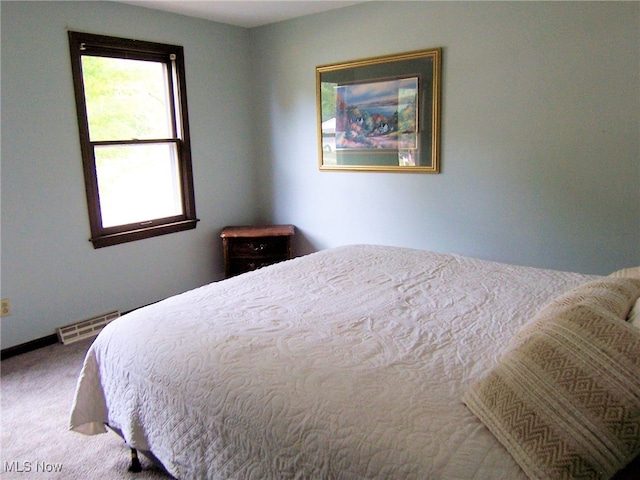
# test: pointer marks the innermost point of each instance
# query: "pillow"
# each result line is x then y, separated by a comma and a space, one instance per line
616, 295
633, 272
565, 399
634, 314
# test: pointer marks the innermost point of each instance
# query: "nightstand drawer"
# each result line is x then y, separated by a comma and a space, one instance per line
259, 246
241, 265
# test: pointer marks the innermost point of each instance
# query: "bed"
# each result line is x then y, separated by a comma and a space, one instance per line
367, 362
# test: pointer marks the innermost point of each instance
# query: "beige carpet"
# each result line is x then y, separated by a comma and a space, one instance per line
37, 390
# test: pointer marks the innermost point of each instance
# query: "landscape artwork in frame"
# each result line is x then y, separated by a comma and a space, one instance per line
380, 114
377, 115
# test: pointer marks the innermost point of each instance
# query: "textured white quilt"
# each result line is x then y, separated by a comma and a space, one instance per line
349, 363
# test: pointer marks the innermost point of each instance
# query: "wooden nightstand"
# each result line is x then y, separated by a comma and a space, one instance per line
251, 247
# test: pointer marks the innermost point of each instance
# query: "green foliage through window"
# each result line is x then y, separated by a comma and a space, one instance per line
126, 99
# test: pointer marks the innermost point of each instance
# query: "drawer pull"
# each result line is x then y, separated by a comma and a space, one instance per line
257, 247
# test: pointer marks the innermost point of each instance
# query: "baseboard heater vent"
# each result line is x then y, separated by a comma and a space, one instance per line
85, 328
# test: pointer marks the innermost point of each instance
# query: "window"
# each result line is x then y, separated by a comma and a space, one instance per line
134, 135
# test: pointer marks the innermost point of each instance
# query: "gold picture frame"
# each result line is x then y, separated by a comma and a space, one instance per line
381, 113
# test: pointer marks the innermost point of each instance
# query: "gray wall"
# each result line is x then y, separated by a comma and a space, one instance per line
50, 271
540, 145
540, 132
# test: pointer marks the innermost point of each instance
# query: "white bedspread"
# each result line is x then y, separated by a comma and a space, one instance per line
345, 364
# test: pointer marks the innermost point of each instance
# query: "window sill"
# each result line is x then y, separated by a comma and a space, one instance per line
142, 233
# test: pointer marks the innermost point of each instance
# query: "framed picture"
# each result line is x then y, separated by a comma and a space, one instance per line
380, 114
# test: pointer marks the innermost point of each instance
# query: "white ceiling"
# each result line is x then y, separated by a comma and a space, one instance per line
243, 13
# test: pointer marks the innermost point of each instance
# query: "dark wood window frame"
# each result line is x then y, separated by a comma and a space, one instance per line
172, 56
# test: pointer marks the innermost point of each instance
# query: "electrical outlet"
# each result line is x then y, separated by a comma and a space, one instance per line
5, 309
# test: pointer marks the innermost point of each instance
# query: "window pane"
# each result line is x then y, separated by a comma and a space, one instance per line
126, 99
137, 183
